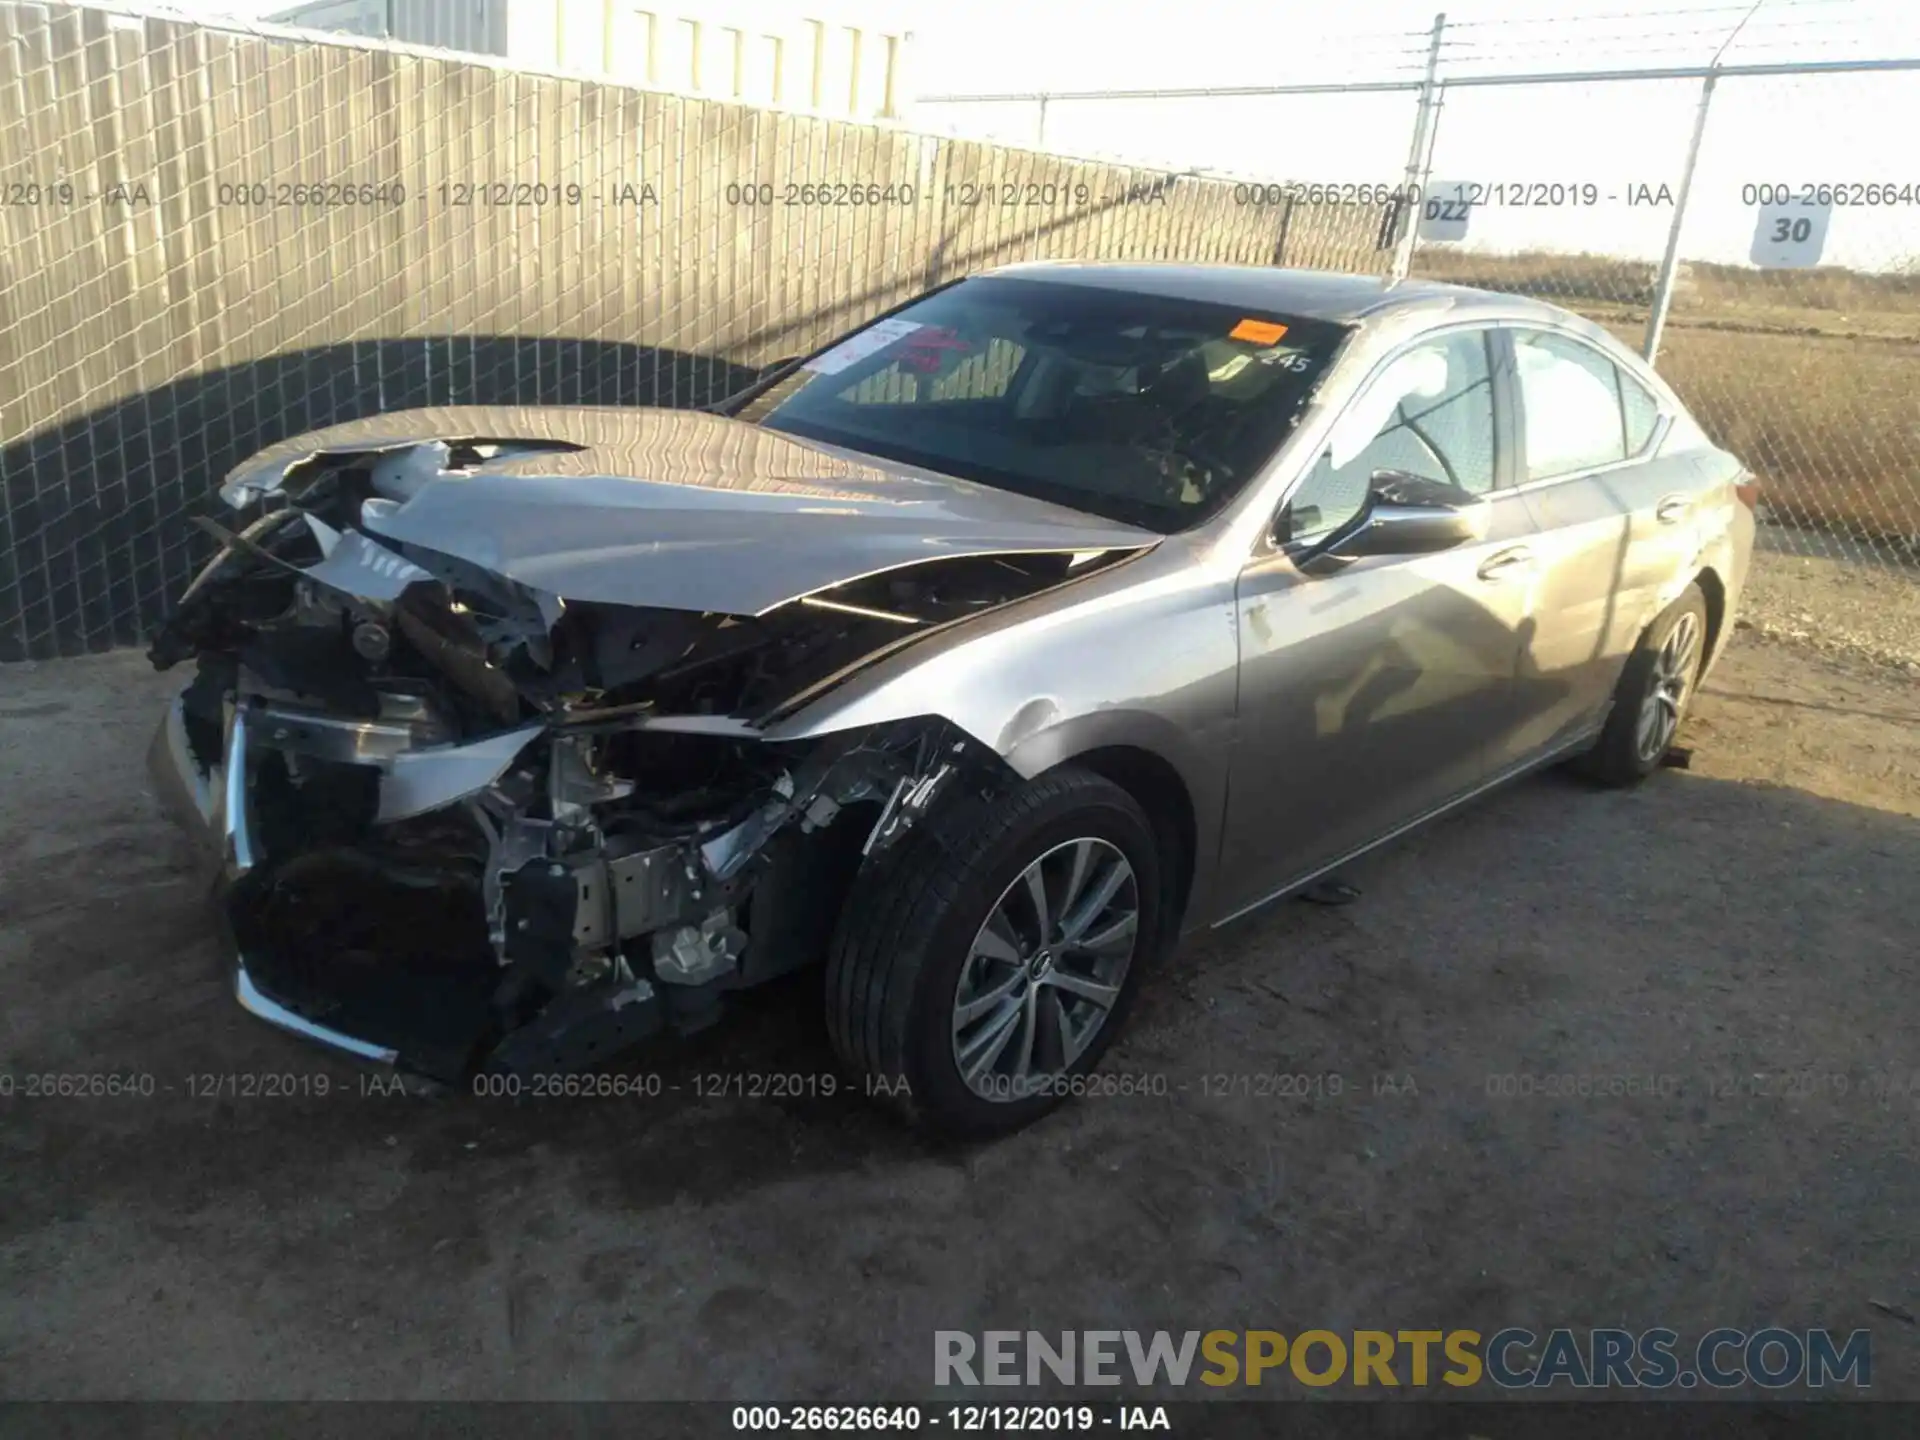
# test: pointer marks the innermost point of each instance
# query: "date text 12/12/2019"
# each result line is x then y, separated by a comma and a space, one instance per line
958, 1419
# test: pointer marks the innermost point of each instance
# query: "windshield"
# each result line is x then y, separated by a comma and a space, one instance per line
1151, 411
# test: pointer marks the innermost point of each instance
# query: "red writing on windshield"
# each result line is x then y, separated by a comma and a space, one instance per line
923, 350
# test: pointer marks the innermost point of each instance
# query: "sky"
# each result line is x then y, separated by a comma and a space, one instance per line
1792, 130
1624, 139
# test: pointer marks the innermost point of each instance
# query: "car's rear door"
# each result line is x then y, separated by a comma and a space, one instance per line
1372, 692
1616, 524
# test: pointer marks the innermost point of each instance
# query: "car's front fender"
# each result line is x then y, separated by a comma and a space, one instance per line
1143, 657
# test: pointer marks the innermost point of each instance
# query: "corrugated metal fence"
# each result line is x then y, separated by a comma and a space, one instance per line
214, 239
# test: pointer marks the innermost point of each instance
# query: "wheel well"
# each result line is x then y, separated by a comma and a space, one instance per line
1157, 786
1714, 590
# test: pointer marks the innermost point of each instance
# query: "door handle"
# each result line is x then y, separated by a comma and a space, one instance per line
1673, 509
1507, 563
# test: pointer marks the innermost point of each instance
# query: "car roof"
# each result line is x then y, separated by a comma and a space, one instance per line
1308, 294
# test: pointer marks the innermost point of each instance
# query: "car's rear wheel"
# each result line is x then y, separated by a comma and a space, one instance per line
1652, 697
981, 972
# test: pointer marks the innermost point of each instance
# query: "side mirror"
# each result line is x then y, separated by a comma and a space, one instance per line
1412, 515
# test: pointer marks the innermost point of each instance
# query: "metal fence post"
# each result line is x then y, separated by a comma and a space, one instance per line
1280, 240
1417, 153
1670, 262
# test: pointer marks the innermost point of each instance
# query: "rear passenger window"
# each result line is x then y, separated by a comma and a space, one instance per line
1642, 412
1571, 399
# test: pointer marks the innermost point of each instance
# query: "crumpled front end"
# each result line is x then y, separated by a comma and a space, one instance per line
462, 824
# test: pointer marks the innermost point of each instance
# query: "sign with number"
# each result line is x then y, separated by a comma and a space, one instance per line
1444, 210
1789, 236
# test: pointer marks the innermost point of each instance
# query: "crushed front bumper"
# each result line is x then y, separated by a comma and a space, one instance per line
213, 804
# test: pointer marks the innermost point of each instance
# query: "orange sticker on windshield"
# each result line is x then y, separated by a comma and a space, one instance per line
1260, 332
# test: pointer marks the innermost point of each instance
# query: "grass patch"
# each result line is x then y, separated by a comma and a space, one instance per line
1810, 376
1831, 426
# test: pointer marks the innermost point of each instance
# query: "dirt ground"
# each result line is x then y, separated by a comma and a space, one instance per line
1756, 915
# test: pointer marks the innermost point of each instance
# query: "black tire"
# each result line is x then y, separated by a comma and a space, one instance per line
909, 924
1620, 757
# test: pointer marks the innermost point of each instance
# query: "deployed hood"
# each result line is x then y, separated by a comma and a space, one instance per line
665, 508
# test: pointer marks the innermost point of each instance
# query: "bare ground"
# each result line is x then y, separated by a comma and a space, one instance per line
1754, 915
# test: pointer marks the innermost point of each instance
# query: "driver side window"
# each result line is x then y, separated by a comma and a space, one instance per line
1436, 403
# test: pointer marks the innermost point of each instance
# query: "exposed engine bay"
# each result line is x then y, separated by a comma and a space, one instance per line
473, 823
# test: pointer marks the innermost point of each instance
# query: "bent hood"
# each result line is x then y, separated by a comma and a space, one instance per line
673, 509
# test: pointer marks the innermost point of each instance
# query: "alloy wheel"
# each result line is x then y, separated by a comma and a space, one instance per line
1045, 969
1668, 687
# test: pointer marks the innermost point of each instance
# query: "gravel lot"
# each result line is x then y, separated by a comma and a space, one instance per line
1756, 914
1863, 606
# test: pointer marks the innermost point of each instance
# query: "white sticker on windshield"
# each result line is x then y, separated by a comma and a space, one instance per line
856, 348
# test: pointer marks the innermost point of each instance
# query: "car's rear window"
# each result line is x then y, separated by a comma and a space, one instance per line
1138, 408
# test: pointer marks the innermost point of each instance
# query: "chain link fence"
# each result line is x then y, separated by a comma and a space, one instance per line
1784, 191
217, 238
1805, 364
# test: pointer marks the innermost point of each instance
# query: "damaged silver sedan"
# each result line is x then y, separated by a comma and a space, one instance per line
972, 659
